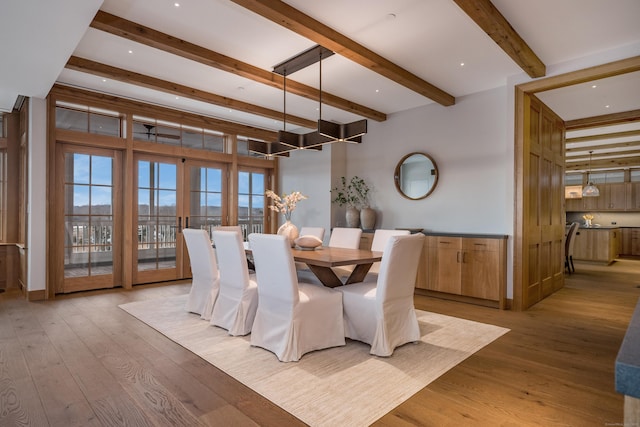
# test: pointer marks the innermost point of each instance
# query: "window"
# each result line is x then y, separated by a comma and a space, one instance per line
88, 119
251, 202
161, 132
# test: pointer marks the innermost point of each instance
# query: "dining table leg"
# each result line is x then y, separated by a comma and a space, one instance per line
358, 274
326, 275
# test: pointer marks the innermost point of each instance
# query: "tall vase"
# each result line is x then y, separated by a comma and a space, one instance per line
368, 218
289, 230
353, 217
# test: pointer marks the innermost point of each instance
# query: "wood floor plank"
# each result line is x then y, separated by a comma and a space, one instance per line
554, 368
139, 383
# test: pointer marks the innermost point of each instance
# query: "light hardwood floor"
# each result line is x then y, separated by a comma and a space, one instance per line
81, 361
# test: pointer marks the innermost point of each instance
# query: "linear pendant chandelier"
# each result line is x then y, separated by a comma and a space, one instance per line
327, 132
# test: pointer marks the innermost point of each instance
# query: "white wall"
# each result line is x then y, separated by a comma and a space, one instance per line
470, 145
309, 172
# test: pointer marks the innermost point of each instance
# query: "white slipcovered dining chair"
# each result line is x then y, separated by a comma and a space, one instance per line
345, 238
205, 275
380, 238
293, 318
237, 300
381, 312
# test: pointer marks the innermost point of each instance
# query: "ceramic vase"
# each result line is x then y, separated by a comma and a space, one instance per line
368, 218
353, 217
289, 230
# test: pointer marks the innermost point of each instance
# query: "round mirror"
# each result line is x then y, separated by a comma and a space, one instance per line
416, 176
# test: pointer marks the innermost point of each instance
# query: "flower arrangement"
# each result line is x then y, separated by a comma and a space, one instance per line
587, 219
353, 193
285, 204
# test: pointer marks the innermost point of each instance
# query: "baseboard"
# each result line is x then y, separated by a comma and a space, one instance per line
459, 298
39, 295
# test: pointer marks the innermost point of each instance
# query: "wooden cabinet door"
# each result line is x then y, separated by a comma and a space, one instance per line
481, 269
635, 241
626, 234
574, 205
633, 196
449, 264
616, 196
426, 265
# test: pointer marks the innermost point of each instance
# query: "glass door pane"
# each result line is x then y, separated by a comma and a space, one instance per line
88, 216
251, 201
157, 213
206, 208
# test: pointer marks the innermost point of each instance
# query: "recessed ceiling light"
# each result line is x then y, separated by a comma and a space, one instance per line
177, 97
462, 64
594, 86
130, 51
104, 80
176, 4
377, 90
607, 106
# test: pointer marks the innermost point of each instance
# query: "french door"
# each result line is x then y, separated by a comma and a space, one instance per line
172, 194
89, 218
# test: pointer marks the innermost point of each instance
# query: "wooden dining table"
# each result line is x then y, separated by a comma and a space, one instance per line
321, 259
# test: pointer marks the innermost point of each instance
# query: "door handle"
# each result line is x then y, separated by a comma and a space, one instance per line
179, 224
186, 222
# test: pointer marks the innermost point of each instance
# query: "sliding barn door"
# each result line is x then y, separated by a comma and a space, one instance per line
543, 222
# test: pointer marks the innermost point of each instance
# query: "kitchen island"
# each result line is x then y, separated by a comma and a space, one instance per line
597, 244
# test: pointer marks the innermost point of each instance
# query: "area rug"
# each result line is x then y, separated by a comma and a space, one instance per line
337, 386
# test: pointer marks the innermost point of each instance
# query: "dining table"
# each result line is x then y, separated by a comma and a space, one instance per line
320, 261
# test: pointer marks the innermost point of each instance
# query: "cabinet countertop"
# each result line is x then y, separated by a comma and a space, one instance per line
468, 235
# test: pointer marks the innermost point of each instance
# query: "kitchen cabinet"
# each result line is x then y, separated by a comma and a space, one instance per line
597, 244
366, 239
630, 244
633, 196
464, 266
619, 196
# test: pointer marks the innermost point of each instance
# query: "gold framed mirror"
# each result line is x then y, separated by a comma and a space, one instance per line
416, 176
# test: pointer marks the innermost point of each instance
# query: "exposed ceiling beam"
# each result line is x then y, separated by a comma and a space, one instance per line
603, 136
487, 17
296, 21
603, 147
603, 120
121, 27
602, 154
617, 163
113, 73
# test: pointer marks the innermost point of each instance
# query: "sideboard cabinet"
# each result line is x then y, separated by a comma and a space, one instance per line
468, 268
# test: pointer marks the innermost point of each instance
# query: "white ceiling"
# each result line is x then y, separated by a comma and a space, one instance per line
430, 38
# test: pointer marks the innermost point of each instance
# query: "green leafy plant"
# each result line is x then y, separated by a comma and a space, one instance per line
353, 193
